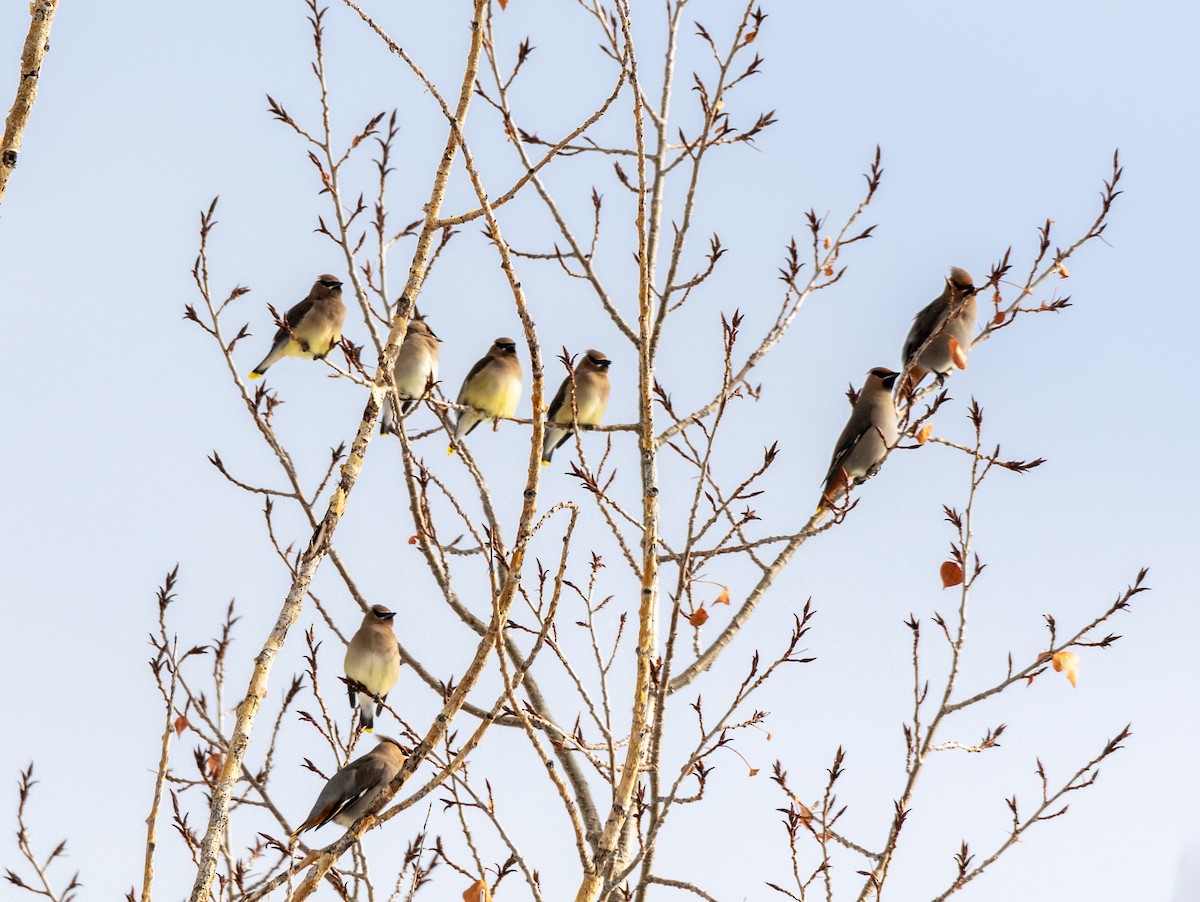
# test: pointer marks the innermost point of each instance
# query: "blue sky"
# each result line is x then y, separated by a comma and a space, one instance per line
991, 120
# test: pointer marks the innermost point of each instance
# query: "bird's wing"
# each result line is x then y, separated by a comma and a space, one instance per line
293, 317
342, 790
559, 400
925, 323
362, 776
475, 371
852, 432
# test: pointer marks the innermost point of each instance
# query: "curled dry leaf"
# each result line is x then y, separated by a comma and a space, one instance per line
723, 598
503, 4
806, 814
829, 270
213, 763
412, 540
958, 354
828, 242
951, 574
1063, 273
923, 435
181, 724
698, 617
478, 892
999, 317
1068, 662
751, 36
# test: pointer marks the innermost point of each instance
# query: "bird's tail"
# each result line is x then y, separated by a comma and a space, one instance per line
387, 422
552, 442
366, 711
278, 352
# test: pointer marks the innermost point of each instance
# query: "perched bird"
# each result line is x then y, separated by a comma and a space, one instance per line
949, 325
492, 388
590, 393
373, 659
416, 370
870, 431
352, 790
316, 324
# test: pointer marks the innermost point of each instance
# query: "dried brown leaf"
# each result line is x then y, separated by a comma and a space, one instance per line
958, 353
951, 574
478, 891
1068, 662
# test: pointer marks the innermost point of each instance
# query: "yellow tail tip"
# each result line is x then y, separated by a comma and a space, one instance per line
368, 729
256, 375
545, 463
450, 451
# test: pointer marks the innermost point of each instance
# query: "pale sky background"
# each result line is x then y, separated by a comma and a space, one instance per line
992, 118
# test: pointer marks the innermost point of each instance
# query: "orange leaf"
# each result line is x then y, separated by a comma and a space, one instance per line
723, 598
806, 814
998, 319
754, 771
751, 36
1066, 661
829, 270
478, 891
1063, 273
698, 617
181, 723
923, 435
412, 540
958, 353
828, 242
503, 5
951, 573
213, 763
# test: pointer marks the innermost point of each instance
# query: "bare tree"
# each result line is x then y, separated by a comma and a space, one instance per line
602, 711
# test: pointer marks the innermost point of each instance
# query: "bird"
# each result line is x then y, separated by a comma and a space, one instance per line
315, 324
870, 431
353, 789
492, 388
948, 323
415, 371
590, 392
373, 660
